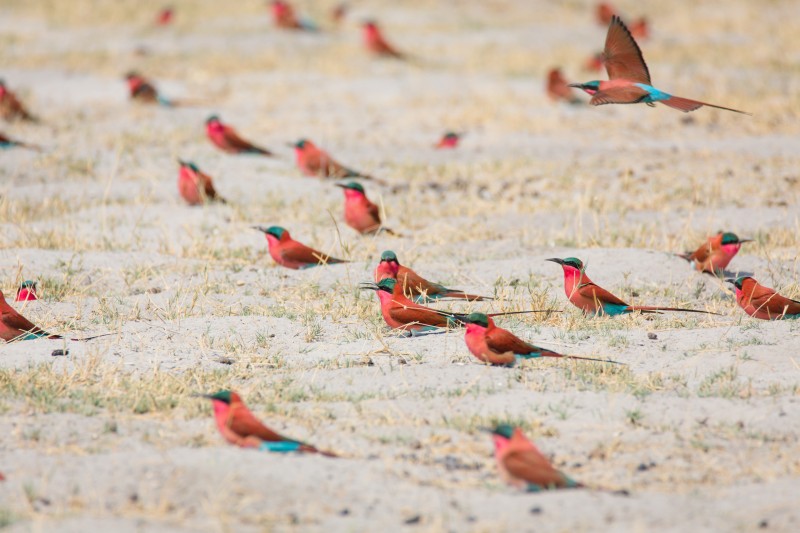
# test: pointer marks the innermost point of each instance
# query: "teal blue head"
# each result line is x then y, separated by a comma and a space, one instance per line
504, 430
275, 231
479, 319
351, 186
387, 285
569, 262
389, 257
732, 238
28, 284
221, 396
212, 119
301, 144
189, 164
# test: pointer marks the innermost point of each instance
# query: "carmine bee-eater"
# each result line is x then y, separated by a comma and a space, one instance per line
7, 142
558, 89
240, 427
595, 300
594, 63
10, 106
376, 44
226, 139
415, 286
15, 327
762, 302
195, 186
142, 90
26, 292
283, 16
629, 79
165, 16
448, 141
498, 346
317, 163
522, 465
339, 12
713, 256
359, 212
292, 254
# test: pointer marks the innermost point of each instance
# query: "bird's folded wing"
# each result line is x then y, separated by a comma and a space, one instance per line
418, 315
599, 294
623, 59
302, 254
245, 424
501, 340
17, 321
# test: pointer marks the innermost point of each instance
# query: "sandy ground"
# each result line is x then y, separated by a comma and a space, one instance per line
702, 427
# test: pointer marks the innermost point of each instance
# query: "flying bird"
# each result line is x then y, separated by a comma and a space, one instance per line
762, 302
713, 256
448, 141
292, 254
10, 106
415, 286
522, 465
195, 186
26, 292
226, 139
376, 43
595, 300
240, 427
558, 89
497, 346
629, 78
359, 212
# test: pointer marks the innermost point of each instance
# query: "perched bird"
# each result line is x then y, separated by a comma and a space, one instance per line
292, 254
26, 292
713, 256
15, 327
240, 427
316, 163
283, 16
762, 302
414, 285
377, 44
448, 141
558, 89
10, 106
498, 346
165, 16
629, 78
359, 212
595, 300
522, 465
339, 12
195, 186
226, 139
142, 90
7, 142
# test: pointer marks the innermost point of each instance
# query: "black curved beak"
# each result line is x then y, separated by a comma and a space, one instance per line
576, 85
262, 229
342, 185
556, 260
745, 240
730, 280
368, 286
182, 163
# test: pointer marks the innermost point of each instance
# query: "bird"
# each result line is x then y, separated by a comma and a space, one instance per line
558, 89
376, 44
594, 63
448, 141
165, 16
497, 346
10, 106
522, 465
15, 327
26, 292
7, 142
604, 13
762, 302
283, 16
629, 78
415, 286
316, 163
339, 12
595, 300
143, 91
226, 139
195, 186
359, 212
713, 256
240, 427
292, 254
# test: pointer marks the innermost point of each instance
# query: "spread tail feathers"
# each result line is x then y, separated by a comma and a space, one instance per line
686, 105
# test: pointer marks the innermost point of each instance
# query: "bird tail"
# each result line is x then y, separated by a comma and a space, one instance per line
391, 232
656, 309
524, 312
461, 295
83, 339
258, 150
686, 105
34, 147
685, 255
549, 353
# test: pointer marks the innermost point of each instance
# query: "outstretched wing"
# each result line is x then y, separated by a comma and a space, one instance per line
623, 59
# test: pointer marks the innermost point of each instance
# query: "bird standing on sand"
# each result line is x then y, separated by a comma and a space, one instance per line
415, 286
713, 256
448, 141
595, 300
629, 78
359, 212
292, 254
226, 139
240, 427
283, 16
26, 292
762, 302
195, 186
317, 163
522, 465
376, 44
15, 327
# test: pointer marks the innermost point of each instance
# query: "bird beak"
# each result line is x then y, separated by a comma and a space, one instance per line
576, 85
745, 240
556, 260
368, 286
340, 185
262, 229
291, 145
181, 162
485, 429
200, 395
730, 280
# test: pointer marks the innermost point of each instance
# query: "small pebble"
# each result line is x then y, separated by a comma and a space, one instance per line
536, 510
652, 336
416, 519
59, 353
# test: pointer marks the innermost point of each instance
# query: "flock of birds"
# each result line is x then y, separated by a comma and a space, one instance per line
401, 291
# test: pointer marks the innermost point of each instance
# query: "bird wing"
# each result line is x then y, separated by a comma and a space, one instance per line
525, 461
408, 314
623, 58
15, 321
416, 284
769, 300
233, 139
208, 186
242, 422
598, 294
619, 95
501, 341
702, 253
300, 253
